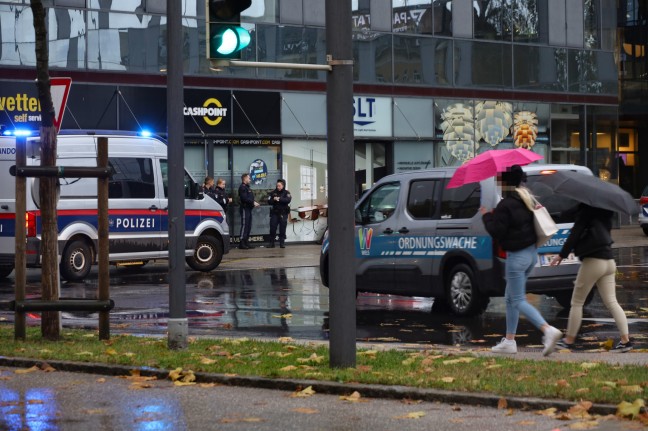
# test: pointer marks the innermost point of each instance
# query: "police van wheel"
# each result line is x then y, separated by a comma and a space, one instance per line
76, 261
207, 254
5, 270
462, 296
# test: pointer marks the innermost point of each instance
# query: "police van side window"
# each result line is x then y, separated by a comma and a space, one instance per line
422, 201
461, 202
132, 178
379, 205
188, 182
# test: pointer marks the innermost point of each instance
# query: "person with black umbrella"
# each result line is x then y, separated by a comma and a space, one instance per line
591, 241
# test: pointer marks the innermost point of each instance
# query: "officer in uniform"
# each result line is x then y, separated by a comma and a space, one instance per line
279, 200
247, 204
220, 195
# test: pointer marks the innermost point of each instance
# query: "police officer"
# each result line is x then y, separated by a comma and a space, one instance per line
220, 195
279, 199
247, 204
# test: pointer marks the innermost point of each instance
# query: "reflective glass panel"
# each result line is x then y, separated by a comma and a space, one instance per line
482, 64
584, 72
527, 20
422, 60
539, 68
412, 16
591, 24
372, 56
492, 19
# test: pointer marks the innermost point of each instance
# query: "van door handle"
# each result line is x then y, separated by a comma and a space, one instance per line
153, 208
403, 230
388, 231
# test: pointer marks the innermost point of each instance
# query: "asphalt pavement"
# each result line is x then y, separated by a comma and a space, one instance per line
79, 397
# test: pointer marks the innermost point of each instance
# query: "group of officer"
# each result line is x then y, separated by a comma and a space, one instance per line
278, 199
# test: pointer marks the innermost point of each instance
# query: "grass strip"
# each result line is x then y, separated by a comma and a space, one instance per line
598, 382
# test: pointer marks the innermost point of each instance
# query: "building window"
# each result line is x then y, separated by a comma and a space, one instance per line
308, 176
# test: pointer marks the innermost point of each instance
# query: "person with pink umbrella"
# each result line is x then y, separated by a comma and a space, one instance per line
511, 225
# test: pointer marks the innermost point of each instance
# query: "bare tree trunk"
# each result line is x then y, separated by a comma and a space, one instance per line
50, 322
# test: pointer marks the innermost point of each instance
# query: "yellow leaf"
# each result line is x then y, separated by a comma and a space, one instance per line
630, 409
633, 389
288, 368
608, 344
354, 397
582, 390
305, 410
181, 377
285, 339
207, 361
502, 404
370, 353
183, 383
580, 410
27, 370
447, 379
409, 361
175, 374
279, 354
492, 367
462, 360
111, 352
585, 425
307, 392
312, 358
610, 384
589, 365
411, 415
526, 423
101, 380
551, 412
84, 353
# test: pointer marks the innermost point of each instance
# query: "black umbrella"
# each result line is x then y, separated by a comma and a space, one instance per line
590, 190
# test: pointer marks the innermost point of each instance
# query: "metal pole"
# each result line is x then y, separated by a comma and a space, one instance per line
102, 228
20, 322
339, 111
177, 324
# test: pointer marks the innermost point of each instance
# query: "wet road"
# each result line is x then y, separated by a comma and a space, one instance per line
292, 302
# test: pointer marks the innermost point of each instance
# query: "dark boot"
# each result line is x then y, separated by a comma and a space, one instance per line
281, 244
242, 245
247, 245
271, 245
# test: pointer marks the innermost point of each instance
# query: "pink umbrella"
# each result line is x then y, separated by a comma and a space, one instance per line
489, 164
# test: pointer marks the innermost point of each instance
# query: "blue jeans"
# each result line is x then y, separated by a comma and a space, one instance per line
518, 267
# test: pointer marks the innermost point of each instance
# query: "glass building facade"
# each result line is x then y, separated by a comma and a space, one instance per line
435, 82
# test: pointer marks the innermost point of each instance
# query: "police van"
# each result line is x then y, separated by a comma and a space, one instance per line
415, 237
138, 215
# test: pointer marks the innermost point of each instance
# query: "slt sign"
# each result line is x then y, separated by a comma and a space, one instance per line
372, 116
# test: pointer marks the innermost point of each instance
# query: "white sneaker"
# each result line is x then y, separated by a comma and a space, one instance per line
550, 339
505, 346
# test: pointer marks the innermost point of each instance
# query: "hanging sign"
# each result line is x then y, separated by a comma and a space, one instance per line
258, 172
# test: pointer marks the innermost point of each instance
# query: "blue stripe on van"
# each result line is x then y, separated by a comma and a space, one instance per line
426, 246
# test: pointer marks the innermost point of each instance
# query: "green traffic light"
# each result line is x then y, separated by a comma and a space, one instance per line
230, 39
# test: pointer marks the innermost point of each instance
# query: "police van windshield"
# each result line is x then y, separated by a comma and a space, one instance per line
560, 207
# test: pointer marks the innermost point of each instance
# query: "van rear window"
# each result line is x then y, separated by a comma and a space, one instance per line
460, 202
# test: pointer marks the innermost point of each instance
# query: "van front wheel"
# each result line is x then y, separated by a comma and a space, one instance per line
462, 294
76, 261
207, 254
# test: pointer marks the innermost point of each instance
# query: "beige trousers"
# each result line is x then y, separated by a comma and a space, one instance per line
602, 273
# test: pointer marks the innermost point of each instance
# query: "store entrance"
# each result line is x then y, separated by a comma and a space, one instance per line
373, 160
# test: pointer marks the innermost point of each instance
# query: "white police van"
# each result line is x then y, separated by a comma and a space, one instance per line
138, 207
415, 237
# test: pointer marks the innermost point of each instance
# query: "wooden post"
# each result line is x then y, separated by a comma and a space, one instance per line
102, 229
20, 323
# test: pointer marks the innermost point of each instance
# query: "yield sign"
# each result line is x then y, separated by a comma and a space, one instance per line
60, 88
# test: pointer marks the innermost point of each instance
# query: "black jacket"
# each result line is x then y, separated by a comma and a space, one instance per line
220, 196
282, 206
588, 242
511, 223
246, 196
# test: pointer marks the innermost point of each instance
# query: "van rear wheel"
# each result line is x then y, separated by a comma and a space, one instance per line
462, 294
76, 261
207, 254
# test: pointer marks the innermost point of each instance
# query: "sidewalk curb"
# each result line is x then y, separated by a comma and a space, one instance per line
322, 387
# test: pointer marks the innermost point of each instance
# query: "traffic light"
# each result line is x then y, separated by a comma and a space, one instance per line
226, 38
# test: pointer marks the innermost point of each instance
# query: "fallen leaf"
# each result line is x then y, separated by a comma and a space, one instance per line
607, 344
369, 353
312, 358
582, 390
630, 409
179, 377
305, 410
207, 361
84, 353
526, 423
307, 392
411, 415
462, 360
502, 404
562, 383
589, 365
580, 410
632, 389
447, 379
288, 368
27, 370
279, 354
409, 361
551, 412
46, 367
101, 380
355, 397
585, 425
285, 339
111, 352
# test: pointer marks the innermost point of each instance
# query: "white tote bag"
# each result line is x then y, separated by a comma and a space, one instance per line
544, 225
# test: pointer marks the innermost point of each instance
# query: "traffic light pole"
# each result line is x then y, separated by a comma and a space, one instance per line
339, 113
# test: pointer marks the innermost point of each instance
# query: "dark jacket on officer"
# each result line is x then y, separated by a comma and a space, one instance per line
220, 196
282, 206
246, 196
511, 223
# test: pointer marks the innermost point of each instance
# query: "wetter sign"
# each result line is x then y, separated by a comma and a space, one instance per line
226, 38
